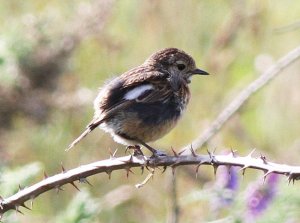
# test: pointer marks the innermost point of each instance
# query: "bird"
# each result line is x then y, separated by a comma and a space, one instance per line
146, 102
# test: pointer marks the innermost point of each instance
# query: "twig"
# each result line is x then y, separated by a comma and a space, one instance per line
241, 98
175, 209
17, 200
287, 28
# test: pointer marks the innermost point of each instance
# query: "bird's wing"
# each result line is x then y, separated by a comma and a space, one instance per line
127, 89
135, 86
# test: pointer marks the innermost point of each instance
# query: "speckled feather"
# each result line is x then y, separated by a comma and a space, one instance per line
155, 110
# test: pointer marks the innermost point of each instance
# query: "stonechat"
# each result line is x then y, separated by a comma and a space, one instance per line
145, 103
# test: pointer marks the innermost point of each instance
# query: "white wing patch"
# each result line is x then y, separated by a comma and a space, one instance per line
137, 91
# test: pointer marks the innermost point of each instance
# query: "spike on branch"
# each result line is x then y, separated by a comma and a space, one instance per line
243, 169
130, 159
251, 153
84, 180
31, 202
193, 151
58, 188
263, 158
181, 152
128, 170
173, 170
63, 170
45, 175
24, 206
17, 210
197, 170
268, 173
20, 188
233, 152
174, 152
215, 166
108, 173
74, 185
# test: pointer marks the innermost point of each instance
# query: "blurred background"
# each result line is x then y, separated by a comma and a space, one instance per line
54, 55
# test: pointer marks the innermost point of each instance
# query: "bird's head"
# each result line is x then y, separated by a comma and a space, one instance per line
176, 63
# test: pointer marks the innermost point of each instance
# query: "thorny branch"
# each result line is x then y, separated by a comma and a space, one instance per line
243, 96
81, 173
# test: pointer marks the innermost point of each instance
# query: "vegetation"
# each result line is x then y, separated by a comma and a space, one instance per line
54, 55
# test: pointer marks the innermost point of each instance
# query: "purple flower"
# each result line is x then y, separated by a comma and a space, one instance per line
227, 184
227, 178
261, 195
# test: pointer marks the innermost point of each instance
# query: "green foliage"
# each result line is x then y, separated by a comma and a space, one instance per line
81, 209
11, 179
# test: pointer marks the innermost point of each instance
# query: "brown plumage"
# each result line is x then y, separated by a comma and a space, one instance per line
145, 103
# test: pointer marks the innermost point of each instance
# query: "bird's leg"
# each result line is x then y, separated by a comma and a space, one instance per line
155, 152
136, 150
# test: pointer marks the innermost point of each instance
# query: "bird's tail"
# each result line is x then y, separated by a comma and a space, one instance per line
89, 128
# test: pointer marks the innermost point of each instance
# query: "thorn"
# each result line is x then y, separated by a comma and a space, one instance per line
174, 152
74, 185
130, 159
173, 170
212, 157
164, 169
264, 177
58, 188
214, 151
193, 151
110, 153
197, 170
45, 175
233, 152
215, 166
264, 159
31, 202
209, 153
20, 188
251, 153
63, 170
291, 178
229, 169
181, 152
85, 181
24, 206
108, 173
17, 209
127, 171
268, 172
243, 169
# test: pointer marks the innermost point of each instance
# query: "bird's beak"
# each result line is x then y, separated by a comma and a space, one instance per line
200, 72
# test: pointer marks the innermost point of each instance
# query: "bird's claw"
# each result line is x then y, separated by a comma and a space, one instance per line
158, 153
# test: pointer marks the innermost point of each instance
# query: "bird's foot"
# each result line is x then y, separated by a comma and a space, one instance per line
158, 153
155, 152
136, 150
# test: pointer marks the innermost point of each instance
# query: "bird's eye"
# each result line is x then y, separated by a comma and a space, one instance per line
180, 66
